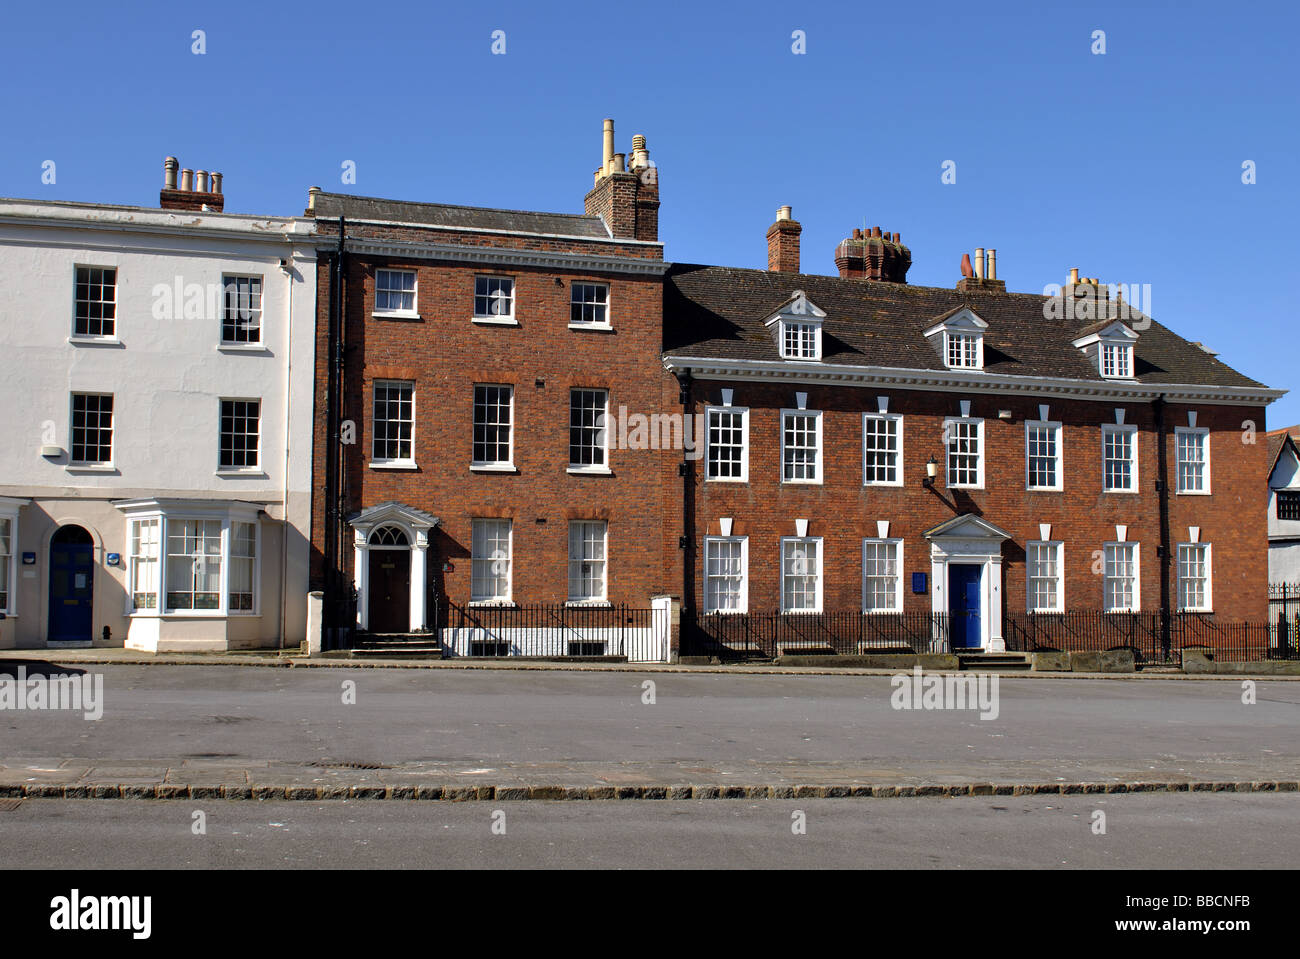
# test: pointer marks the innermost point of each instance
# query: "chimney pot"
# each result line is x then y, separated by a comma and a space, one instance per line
607, 151
783, 213
187, 180
979, 262
1074, 276
200, 181
993, 264
170, 166
312, 194
216, 183
875, 231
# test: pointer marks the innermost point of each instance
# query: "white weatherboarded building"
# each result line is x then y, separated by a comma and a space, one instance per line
155, 443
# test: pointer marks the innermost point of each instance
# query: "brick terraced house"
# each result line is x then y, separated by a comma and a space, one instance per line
478, 353
829, 457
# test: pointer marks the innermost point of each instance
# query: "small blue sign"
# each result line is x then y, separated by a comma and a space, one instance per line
29, 559
114, 559
918, 582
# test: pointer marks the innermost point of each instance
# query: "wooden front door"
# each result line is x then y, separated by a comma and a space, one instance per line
389, 598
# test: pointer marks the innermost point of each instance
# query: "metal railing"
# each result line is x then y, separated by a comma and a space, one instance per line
1096, 631
552, 630
845, 632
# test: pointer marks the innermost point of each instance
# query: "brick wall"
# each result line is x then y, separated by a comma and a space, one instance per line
843, 511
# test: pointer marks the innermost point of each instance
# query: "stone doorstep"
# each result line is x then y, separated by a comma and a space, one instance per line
642, 791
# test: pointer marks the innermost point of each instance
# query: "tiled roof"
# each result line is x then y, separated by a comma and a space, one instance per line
330, 205
716, 312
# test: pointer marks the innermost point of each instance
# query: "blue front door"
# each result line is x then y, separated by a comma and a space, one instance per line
964, 605
72, 584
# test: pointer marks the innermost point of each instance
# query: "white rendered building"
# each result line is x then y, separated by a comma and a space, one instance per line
156, 369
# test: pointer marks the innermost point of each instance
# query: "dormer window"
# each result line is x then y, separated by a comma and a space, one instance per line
1109, 346
1116, 360
958, 338
797, 328
799, 341
963, 350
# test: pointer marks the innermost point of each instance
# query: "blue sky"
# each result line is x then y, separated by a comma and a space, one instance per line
1126, 165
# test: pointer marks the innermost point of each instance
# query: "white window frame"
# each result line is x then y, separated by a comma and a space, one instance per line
607, 323
13, 557
1122, 354
897, 420
820, 573
1179, 433
478, 599
602, 429
807, 337
236, 279
399, 462
113, 337
414, 312
819, 457
603, 598
708, 577
1108, 429
228, 564
980, 455
1208, 555
1107, 578
968, 348
1059, 468
508, 464
897, 544
1058, 548
84, 464
507, 319
743, 413
247, 468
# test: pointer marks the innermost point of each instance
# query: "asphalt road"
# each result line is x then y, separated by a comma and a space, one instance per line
240, 713
1142, 831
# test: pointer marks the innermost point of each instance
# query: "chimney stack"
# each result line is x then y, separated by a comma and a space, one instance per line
984, 275
626, 198
873, 255
198, 190
783, 243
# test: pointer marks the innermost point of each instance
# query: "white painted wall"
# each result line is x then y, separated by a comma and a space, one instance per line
1283, 535
167, 375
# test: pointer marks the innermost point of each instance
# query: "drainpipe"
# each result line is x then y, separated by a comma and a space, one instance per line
288, 433
687, 540
332, 599
1162, 487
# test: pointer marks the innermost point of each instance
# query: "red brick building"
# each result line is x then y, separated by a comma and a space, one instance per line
969, 452
537, 409
476, 354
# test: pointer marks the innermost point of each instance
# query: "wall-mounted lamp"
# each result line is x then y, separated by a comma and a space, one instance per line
1004, 414
931, 471
448, 567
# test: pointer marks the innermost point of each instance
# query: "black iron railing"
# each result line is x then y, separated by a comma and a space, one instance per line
844, 632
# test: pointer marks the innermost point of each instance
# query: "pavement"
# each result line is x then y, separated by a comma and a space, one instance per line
339, 732
1208, 832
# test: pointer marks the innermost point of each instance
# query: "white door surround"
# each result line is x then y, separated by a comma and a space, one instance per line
971, 540
415, 524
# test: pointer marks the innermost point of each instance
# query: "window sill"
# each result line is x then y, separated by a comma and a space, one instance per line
1122, 492
109, 341
1191, 492
963, 486
882, 612
395, 316
726, 612
877, 485
589, 604
589, 471
800, 612
250, 473
493, 604
392, 466
253, 348
493, 468
1044, 489
727, 479
799, 482
494, 320
1045, 612
92, 469
593, 327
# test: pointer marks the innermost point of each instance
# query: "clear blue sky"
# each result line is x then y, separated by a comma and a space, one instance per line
1126, 165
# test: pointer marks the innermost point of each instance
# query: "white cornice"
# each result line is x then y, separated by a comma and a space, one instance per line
954, 381
447, 228
582, 262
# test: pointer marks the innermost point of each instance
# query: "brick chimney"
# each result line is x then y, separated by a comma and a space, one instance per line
626, 195
873, 256
783, 243
195, 191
